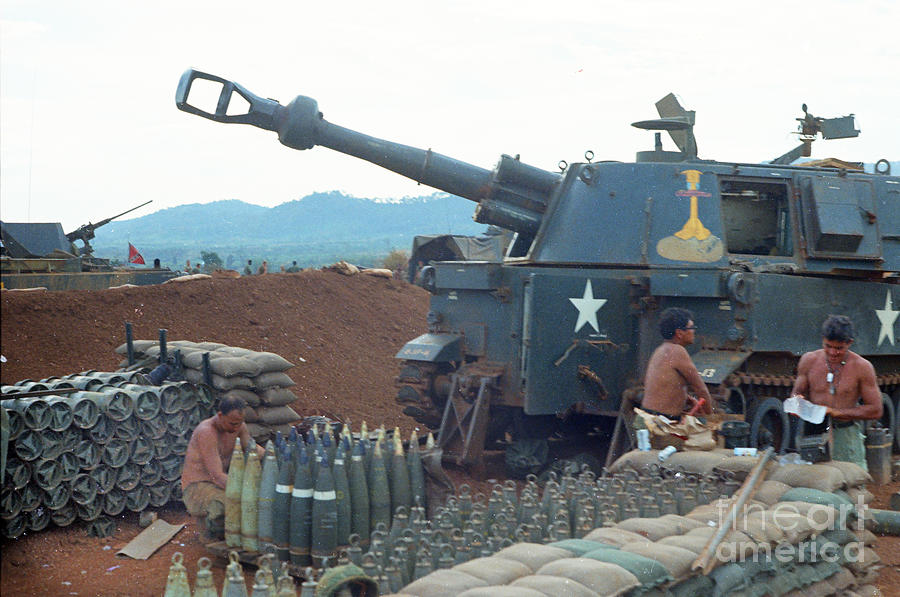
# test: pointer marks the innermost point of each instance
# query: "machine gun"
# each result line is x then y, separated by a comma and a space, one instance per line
85, 232
513, 196
842, 127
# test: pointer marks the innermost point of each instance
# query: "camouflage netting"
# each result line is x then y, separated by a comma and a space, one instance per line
640, 529
91, 454
258, 378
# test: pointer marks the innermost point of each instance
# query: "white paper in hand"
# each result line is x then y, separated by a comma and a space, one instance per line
806, 410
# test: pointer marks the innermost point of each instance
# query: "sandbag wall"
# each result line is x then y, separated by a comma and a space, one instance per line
622, 534
259, 378
91, 454
311, 496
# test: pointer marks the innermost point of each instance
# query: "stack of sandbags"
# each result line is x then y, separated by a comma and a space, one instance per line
258, 378
802, 534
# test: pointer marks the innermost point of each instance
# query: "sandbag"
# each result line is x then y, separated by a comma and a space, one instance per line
698, 462
683, 523
579, 547
378, 272
692, 587
494, 571
194, 376
694, 543
842, 579
761, 527
269, 361
210, 346
865, 535
822, 517
259, 433
652, 529
533, 555
224, 384
854, 475
554, 586
814, 476
277, 396
443, 583
250, 415
272, 379
251, 398
738, 466
194, 360
770, 491
501, 591
859, 495
677, 560
613, 536
637, 460
139, 346
736, 545
276, 415
232, 366
648, 572
815, 496
235, 351
600, 577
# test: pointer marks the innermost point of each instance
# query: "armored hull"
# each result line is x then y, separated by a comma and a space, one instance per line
761, 254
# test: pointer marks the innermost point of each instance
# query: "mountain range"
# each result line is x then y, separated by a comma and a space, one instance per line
315, 230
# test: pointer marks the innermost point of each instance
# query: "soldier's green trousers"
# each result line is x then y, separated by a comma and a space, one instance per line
850, 444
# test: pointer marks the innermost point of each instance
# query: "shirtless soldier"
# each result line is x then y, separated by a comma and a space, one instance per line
206, 462
671, 370
844, 383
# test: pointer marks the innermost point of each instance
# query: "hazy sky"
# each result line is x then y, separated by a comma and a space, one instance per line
88, 124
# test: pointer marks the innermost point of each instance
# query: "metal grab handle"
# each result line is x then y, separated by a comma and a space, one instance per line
263, 113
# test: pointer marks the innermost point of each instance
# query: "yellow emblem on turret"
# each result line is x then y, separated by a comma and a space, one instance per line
693, 228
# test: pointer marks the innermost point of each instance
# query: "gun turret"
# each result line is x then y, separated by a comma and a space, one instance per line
513, 196
85, 232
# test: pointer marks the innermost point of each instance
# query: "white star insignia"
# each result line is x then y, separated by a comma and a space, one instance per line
587, 307
887, 317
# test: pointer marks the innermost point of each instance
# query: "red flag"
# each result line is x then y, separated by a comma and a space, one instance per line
134, 256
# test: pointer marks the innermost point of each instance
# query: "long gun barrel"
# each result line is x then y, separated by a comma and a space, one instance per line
513, 196
85, 232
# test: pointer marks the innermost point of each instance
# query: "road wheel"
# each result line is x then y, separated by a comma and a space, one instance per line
769, 425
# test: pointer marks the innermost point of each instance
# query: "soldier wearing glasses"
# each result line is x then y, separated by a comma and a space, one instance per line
671, 372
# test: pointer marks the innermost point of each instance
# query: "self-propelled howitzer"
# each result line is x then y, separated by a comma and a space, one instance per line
760, 253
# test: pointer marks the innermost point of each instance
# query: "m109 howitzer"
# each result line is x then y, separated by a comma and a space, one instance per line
85, 232
567, 322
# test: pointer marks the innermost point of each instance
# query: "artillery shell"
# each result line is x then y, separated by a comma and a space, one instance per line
399, 477
417, 473
324, 513
266, 502
379, 491
359, 496
177, 582
234, 578
233, 490
342, 497
301, 512
282, 510
204, 586
250, 502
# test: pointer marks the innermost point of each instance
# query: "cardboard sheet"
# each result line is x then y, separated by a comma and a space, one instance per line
150, 539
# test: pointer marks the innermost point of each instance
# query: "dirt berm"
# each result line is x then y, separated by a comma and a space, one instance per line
341, 332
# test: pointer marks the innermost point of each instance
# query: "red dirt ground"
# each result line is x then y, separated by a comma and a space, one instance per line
341, 332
